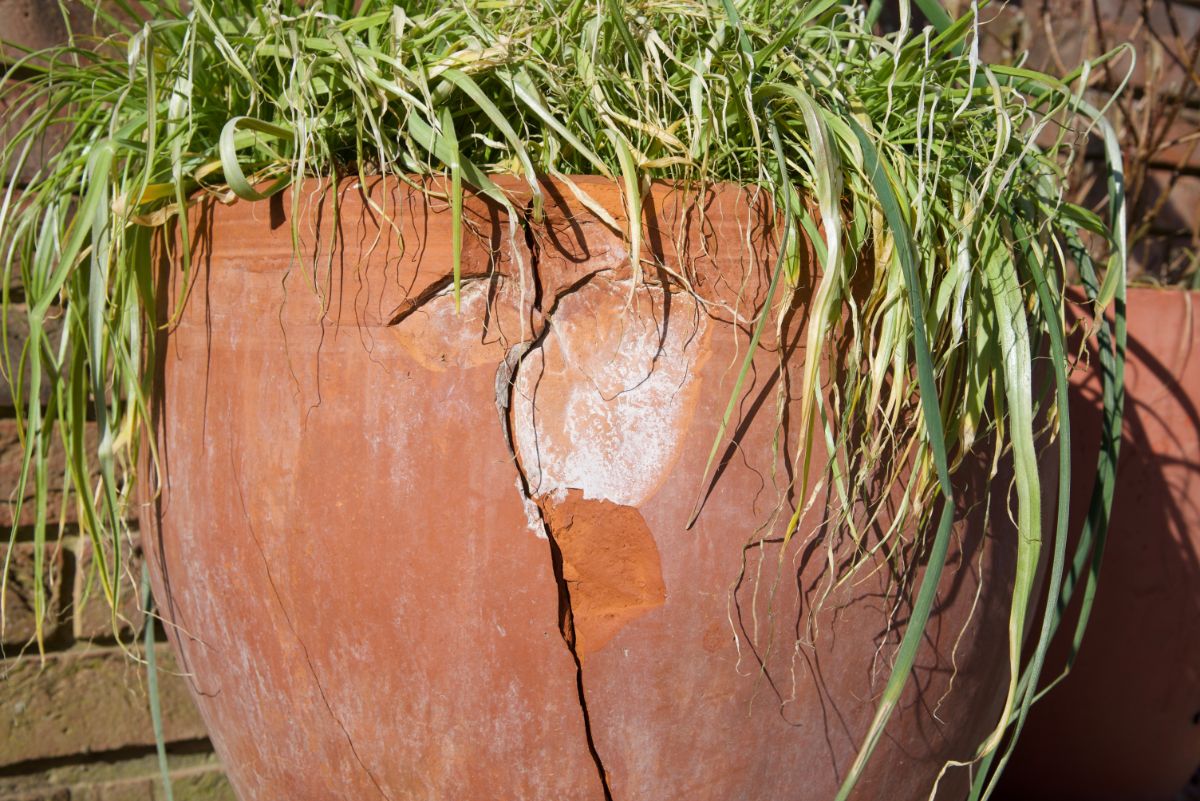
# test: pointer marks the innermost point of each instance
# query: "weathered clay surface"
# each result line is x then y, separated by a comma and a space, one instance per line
610, 566
599, 404
343, 556
412, 555
441, 334
1125, 725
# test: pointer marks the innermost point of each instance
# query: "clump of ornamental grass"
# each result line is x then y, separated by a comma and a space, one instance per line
913, 168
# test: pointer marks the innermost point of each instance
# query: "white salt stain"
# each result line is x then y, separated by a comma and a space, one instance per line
439, 337
604, 405
533, 515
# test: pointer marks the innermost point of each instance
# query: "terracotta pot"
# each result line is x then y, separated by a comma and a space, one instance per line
375, 598
1125, 724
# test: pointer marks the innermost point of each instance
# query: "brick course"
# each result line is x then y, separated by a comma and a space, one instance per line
194, 777
88, 700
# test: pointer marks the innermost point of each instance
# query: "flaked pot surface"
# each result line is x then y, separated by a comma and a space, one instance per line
406, 551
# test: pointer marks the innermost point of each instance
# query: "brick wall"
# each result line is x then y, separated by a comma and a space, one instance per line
1157, 116
76, 726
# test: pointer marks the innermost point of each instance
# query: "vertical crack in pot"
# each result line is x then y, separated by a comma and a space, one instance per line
505, 387
312, 668
566, 627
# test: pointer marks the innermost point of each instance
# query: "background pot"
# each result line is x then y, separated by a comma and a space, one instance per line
374, 598
1125, 725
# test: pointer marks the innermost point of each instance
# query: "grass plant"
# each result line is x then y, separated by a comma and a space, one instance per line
938, 183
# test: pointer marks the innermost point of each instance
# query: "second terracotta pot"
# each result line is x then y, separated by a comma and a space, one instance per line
1125, 724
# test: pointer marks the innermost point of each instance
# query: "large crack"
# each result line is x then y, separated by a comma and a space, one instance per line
506, 375
312, 668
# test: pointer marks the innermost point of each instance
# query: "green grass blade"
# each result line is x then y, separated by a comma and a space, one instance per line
456, 204
876, 169
231, 165
152, 692
1016, 363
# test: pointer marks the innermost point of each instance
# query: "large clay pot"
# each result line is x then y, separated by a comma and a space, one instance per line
1125, 724
375, 598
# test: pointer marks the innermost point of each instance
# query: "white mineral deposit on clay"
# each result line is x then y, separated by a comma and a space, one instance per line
439, 337
533, 516
603, 405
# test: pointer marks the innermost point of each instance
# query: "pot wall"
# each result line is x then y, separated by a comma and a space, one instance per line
1125, 724
392, 572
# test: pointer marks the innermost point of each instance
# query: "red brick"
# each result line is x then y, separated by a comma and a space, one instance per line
207, 785
1168, 259
40, 794
194, 777
135, 790
32, 23
1174, 202
91, 613
1003, 33
11, 455
80, 702
19, 624
1068, 33
1180, 147
17, 333
15, 112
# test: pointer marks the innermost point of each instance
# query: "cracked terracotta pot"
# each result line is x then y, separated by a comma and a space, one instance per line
1125, 724
405, 553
